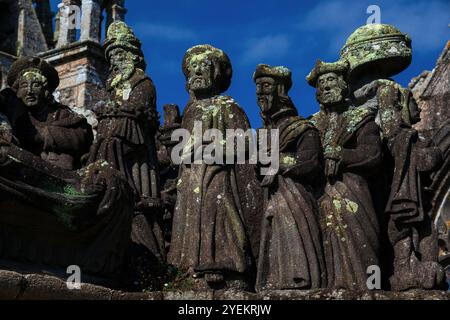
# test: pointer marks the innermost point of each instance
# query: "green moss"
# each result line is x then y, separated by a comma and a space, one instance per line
337, 204
288, 160
354, 116
70, 191
351, 206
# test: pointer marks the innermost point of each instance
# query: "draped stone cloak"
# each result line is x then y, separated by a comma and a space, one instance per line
348, 217
209, 232
291, 255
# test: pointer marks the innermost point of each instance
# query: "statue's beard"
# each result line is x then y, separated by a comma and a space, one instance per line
331, 98
200, 84
125, 70
265, 103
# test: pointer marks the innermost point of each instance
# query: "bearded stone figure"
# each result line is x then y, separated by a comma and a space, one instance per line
128, 122
352, 150
209, 234
376, 53
291, 255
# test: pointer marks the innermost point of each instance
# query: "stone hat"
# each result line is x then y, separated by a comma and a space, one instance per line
24, 64
380, 47
338, 67
282, 74
120, 35
217, 56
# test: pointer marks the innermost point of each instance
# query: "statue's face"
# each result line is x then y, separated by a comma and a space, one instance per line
122, 62
266, 91
32, 89
331, 89
201, 74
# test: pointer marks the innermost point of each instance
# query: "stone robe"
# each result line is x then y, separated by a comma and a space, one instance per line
349, 219
55, 133
209, 230
291, 255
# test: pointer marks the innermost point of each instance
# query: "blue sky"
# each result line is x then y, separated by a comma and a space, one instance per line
284, 32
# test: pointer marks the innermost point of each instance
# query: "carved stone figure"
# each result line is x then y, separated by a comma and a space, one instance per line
291, 255
126, 131
209, 236
42, 126
50, 217
376, 53
352, 150
168, 170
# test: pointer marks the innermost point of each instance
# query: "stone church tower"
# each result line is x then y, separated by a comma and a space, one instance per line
69, 39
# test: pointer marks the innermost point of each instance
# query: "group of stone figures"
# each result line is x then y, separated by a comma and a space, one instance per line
350, 191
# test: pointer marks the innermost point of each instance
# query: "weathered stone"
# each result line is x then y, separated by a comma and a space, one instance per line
352, 151
126, 133
209, 238
291, 252
11, 284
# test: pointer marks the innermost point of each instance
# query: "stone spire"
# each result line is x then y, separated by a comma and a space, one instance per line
68, 21
45, 16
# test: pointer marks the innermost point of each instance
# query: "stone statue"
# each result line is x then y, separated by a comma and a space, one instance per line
51, 217
352, 150
126, 131
168, 170
291, 255
376, 53
43, 126
209, 236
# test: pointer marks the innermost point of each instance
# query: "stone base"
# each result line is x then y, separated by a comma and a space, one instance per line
16, 286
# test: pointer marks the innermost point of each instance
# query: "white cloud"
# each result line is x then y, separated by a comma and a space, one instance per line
270, 46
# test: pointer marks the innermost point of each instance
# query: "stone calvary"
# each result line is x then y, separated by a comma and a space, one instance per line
358, 183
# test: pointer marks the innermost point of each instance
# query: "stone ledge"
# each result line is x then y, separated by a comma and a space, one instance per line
16, 286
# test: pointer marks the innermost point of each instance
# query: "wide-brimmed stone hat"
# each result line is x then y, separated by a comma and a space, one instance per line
339, 67
24, 64
280, 73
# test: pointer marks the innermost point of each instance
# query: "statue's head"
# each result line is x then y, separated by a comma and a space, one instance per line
207, 70
329, 79
272, 86
34, 81
123, 50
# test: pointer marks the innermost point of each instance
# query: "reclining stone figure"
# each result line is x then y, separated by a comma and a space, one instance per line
51, 217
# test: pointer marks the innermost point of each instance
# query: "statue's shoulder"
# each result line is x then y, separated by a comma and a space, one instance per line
231, 107
61, 112
140, 77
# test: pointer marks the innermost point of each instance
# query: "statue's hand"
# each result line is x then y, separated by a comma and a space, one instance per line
6, 138
103, 107
390, 116
333, 153
370, 90
331, 168
96, 188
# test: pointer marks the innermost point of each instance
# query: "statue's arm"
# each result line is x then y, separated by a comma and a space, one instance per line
75, 139
367, 155
307, 156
